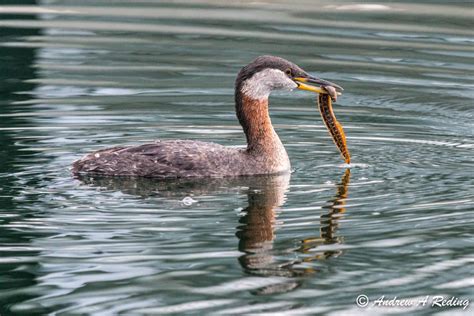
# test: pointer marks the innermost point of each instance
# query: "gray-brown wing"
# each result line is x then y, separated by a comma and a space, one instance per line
162, 159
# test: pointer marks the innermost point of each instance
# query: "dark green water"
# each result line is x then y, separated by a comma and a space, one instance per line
78, 78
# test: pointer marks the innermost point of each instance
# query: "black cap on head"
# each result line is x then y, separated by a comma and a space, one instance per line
269, 62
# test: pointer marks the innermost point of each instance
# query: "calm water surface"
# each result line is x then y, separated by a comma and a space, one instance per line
77, 76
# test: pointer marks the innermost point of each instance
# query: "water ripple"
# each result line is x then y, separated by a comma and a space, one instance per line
396, 222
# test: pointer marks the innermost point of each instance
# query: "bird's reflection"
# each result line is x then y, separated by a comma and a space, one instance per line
257, 233
256, 229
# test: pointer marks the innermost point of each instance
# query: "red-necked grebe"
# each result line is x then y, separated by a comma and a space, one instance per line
264, 154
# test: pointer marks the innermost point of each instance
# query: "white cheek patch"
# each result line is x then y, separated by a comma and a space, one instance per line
260, 85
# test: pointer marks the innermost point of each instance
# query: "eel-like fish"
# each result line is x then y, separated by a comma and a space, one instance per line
334, 127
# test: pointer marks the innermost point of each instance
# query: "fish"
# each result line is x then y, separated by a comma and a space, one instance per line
332, 124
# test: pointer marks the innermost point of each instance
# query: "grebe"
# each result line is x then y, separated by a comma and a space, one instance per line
264, 154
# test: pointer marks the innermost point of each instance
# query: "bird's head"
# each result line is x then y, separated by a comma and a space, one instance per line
267, 73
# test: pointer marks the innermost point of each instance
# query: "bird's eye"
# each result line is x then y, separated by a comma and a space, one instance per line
288, 72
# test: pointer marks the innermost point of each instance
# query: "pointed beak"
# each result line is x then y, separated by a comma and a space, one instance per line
304, 84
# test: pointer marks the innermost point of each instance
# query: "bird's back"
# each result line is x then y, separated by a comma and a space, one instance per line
165, 159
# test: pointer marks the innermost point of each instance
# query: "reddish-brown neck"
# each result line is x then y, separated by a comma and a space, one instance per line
255, 120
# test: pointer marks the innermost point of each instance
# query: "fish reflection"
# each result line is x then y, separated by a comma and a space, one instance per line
330, 222
257, 233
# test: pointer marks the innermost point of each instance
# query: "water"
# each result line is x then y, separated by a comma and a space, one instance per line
400, 223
